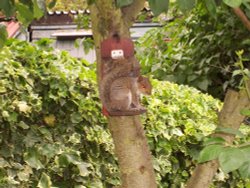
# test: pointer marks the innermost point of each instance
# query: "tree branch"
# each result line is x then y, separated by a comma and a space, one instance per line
242, 17
131, 12
231, 117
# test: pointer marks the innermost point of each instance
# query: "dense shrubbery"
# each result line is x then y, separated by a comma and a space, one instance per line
52, 130
197, 50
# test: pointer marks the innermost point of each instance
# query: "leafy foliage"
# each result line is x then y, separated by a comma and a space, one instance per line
196, 50
67, 5
51, 128
158, 6
3, 36
53, 134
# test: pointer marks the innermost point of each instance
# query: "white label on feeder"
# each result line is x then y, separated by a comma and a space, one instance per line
117, 54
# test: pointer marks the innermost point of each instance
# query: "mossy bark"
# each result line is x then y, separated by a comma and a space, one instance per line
131, 146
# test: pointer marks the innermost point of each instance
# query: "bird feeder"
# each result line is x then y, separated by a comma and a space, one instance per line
112, 50
117, 48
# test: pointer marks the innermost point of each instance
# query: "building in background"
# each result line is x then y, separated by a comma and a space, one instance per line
63, 28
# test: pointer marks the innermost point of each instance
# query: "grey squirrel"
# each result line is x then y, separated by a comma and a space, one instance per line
121, 87
125, 93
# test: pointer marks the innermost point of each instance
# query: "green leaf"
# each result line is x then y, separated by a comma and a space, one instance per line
83, 169
245, 112
52, 4
245, 170
3, 36
62, 161
25, 15
73, 158
38, 12
214, 140
68, 158
203, 85
7, 6
44, 181
123, 3
231, 159
158, 6
49, 150
88, 44
229, 131
211, 7
233, 3
76, 117
23, 125
24, 175
210, 152
246, 150
186, 5
237, 72
32, 158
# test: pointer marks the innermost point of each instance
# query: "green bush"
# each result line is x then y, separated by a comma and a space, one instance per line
197, 50
52, 132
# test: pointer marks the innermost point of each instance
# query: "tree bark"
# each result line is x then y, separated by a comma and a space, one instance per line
131, 146
133, 154
230, 117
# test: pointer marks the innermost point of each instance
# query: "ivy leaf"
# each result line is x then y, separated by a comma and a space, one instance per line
68, 158
44, 182
203, 85
123, 3
210, 152
49, 150
32, 159
7, 7
25, 173
23, 107
158, 6
231, 159
23, 125
186, 5
83, 169
3, 38
76, 117
211, 7
233, 3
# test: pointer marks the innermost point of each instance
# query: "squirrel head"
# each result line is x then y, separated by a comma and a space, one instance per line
144, 85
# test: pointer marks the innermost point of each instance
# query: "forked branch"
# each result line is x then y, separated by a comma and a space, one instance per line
131, 12
242, 17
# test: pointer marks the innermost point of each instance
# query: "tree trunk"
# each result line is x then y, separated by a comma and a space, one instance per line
133, 154
228, 117
131, 146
